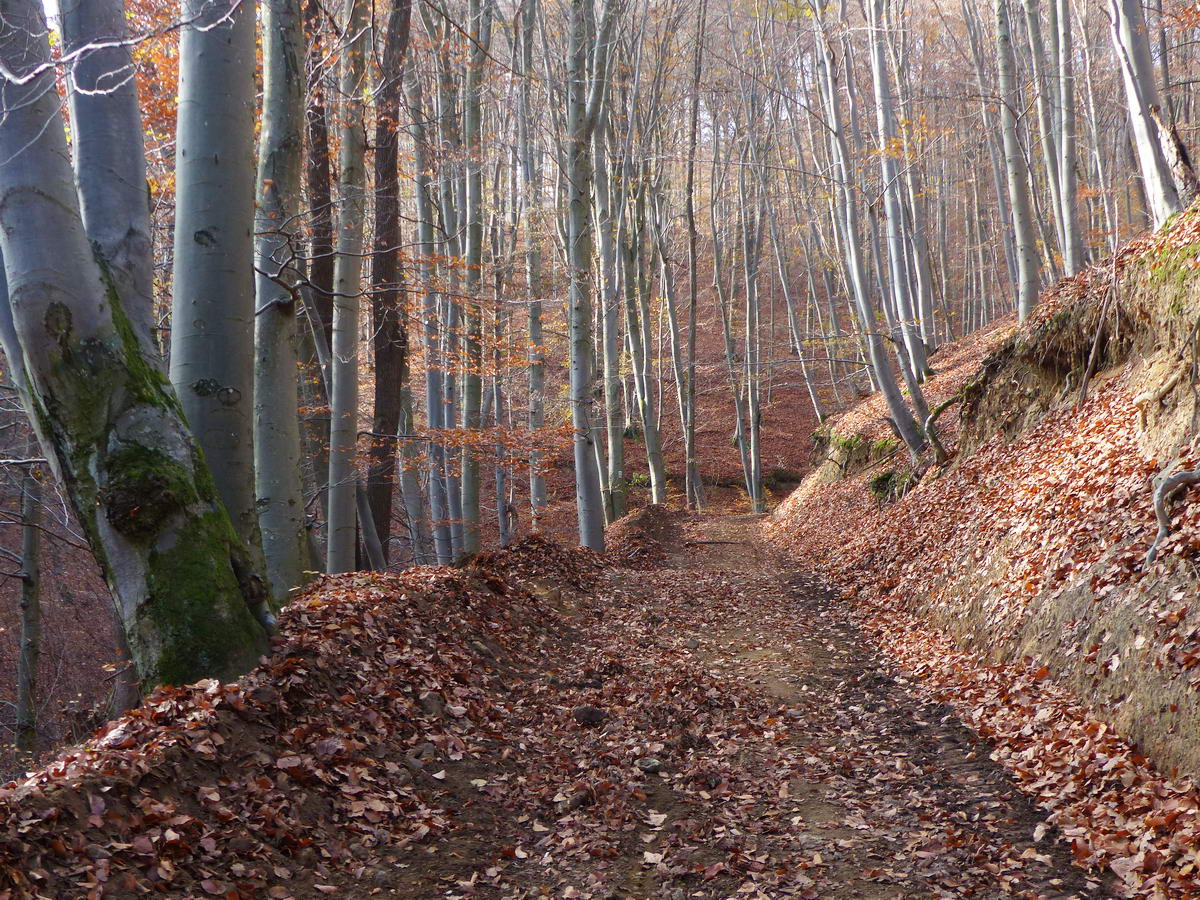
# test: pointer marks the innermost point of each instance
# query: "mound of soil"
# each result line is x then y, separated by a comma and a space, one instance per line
639, 540
537, 558
312, 767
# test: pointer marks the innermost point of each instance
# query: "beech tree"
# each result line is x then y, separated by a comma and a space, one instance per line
1014, 164
1131, 43
347, 284
277, 451
586, 84
212, 304
108, 420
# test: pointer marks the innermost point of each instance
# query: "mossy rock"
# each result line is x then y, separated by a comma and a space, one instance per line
884, 447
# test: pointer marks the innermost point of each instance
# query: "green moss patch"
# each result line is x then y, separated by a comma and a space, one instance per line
194, 606
143, 489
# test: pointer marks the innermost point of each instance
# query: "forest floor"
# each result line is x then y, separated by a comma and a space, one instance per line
748, 741
691, 717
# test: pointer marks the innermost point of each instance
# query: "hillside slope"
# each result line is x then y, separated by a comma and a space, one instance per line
1027, 552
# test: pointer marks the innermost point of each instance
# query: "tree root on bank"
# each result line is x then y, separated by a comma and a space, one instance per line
1163, 495
1152, 398
939, 451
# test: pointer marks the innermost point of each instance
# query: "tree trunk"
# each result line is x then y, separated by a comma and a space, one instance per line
31, 615
615, 486
1014, 163
662, 250
695, 486
723, 305
108, 422
388, 313
480, 14
902, 286
752, 221
110, 160
434, 377
276, 413
451, 201
531, 185
848, 224
347, 280
637, 332
1132, 46
1073, 254
793, 328
1045, 84
318, 187
212, 309
584, 97
110, 174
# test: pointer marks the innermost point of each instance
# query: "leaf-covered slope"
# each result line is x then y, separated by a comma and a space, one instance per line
1029, 549
304, 767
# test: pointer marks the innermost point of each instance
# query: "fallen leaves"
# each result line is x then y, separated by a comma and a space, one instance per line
1033, 543
306, 764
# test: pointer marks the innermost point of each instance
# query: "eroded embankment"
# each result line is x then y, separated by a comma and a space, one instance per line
1028, 551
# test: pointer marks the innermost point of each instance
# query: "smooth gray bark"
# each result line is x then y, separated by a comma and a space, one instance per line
212, 304
531, 185
110, 160
109, 423
901, 284
1045, 86
1014, 164
585, 93
434, 377
1074, 256
994, 140
694, 483
480, 18
347, 284
1131, 43
752, 215
614, 483
637, 329
848, 225
277, 244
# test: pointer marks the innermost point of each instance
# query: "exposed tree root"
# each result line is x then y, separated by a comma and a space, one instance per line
1152, 398
939, 451
1163, 494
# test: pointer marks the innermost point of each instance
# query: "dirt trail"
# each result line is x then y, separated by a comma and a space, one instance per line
901, 800
752, 745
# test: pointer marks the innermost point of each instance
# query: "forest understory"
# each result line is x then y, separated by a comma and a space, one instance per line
914, 679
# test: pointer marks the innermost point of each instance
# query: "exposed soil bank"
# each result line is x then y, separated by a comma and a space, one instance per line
1028, 550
